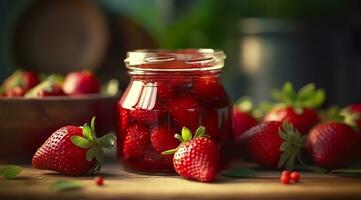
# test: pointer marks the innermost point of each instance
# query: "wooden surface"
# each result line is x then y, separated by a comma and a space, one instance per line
34, 184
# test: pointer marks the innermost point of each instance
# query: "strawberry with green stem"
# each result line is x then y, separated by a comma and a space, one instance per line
297, 108
197, 157
242, 117
73, 150
273, 144
51, 86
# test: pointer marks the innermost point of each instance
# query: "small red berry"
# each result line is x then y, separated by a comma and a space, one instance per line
285, 180
295, 176
286, 173
99, 180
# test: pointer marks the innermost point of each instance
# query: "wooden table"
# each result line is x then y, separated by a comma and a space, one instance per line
34, 184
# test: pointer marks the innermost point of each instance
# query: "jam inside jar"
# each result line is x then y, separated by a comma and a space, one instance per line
169, 90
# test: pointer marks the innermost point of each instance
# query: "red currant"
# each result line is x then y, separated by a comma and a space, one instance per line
295, 176
99, 180
286, 173
285, 180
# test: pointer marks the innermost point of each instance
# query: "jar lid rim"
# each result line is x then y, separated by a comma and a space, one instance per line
189, 59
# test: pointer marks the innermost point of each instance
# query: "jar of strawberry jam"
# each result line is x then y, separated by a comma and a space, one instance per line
169, 90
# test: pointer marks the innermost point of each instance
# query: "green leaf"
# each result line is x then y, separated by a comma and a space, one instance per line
314, 169
87, 132
347, 171
186, 134
306, 92
99, 155
277, 95
179, 137
63, 185
10, 171
80, 142
245, 104
169, 152
316, 101
288, 92
200, 132
239, 173
90, 155
92, 126
107, 141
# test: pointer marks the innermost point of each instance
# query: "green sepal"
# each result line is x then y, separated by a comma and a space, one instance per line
87, 132
350, 118
90, 155
107, 141
185, 137
306, 97
291, 147
93, 144
200, 132
169, 152
186, 134
80, 142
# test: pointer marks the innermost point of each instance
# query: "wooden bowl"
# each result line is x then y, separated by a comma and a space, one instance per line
27, 123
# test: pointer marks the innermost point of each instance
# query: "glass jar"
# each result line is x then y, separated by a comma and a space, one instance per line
169, 90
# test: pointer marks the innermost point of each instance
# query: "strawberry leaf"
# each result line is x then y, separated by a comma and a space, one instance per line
92, 126
10, 171
288, 92
200, 132
347, 171
186, 134
169, 152
80, 142
314, 169
306, 92
107, 141
90, 155
87, 132
62, 185
239, 173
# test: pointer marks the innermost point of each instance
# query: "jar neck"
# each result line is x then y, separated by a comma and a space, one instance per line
136, 74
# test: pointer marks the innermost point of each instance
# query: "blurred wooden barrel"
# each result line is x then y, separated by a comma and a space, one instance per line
61, 36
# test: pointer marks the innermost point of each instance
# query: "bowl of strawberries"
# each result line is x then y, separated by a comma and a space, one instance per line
34, 106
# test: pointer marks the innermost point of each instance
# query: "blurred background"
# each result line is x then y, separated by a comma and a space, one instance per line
266, 41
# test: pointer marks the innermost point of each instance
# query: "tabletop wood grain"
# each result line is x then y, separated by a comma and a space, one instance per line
119, 184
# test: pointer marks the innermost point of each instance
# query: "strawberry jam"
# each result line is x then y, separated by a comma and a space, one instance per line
170, 90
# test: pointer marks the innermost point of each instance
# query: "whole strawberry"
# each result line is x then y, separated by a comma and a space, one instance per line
297, 108
195, 158
185, 112
209, 91
20, 82
52, 86
81, 82
73, 151
136, 140
242, 121
272, 144
332, 145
